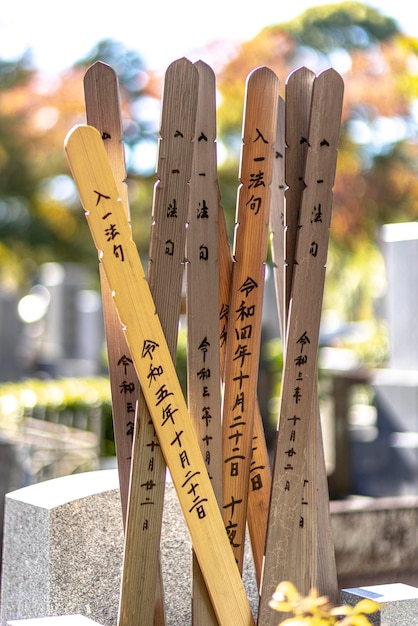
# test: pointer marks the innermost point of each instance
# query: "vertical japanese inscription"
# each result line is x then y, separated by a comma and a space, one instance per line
145, 338
168, 235
293, 431
245, 308
129, 390
165, 404
164, 398
103, 112
292, 542
202, 291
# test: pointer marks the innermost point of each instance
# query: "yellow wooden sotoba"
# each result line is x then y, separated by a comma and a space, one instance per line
119, 256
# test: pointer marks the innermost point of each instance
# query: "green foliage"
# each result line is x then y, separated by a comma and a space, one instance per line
15, 72
314, 610
52, 399
17, 178
348, 25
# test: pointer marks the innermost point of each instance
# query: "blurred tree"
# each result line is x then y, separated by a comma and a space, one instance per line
16, 176
376, 178
40, 216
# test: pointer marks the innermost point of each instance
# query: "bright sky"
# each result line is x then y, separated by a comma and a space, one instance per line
60, 33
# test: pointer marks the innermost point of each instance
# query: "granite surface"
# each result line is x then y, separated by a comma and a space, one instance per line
398, 603
63, 552
55, 620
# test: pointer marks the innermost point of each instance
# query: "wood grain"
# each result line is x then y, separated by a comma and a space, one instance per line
145, 336
260, 472
202, 305
245, 308
298, 98
101, 94
292, 548
165, 277
299, 87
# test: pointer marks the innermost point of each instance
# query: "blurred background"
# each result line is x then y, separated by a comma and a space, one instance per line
55, 409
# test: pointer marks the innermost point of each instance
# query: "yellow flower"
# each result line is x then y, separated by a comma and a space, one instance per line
287, 599
315, 610
356, 615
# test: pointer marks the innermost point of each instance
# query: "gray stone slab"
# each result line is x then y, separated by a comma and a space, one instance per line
55, 620
397, 392
375, 537
384, 457
398, 603
11, 471
63, 552
400, 249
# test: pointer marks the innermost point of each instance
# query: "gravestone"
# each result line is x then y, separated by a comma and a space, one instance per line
63, 552
11, 472
400, 250
398, 603
73, 329
64, 543
376, 540
36, 450
10, 335
385, 458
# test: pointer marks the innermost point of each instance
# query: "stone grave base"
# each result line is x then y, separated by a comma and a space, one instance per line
398, 603
61, 620
63, 549
63, 546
